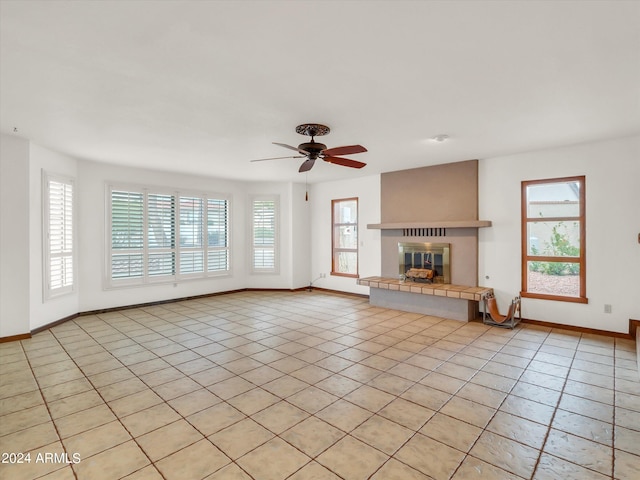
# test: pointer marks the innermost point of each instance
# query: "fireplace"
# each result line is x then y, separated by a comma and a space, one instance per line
454, 292
425, 262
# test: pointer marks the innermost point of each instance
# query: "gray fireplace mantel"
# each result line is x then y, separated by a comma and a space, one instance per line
430, 224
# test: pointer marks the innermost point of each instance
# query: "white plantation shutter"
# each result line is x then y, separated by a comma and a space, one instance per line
58, 229
127, 234
159, 237
264, 234
191, 235
161, 234
217, 235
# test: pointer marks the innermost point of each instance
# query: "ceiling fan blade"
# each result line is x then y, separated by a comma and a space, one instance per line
348, 150
275, 158
291, 147
306, 165
345, 162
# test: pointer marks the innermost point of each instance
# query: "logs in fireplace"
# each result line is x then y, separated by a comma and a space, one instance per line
425, 262
420, 274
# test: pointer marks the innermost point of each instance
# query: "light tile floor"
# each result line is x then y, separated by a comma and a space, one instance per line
312, 385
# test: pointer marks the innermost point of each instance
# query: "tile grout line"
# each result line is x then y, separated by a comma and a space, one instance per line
485, 362
224, 401
148, 386
397, 396
484, 429
237, 319
555, 410
349, 433
46, 404
110, 409
164, 401
416, 432
614, 426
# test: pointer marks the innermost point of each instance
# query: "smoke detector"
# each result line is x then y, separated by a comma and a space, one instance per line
440, 138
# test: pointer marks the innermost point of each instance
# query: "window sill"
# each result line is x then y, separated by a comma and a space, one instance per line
58, 293
557, 298
348, 275
110, 284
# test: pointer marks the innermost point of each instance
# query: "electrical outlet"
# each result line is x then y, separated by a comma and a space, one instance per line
607, 308
323, 275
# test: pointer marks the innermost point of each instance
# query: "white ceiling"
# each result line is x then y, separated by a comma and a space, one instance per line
204, 86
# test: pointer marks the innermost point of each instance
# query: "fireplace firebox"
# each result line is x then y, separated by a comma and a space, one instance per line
425, 262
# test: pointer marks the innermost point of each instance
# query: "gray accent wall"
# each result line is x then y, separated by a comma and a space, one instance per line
447, 192
444, 192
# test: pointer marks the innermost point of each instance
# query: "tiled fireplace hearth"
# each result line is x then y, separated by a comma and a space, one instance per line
458, 302
439, 289
443, 300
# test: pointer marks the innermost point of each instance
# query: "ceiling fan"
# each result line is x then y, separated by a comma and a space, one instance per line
312, 150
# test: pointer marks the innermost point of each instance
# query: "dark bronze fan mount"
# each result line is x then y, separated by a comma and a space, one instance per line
313, 150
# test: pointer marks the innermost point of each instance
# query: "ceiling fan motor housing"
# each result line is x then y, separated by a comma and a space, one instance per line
314, 149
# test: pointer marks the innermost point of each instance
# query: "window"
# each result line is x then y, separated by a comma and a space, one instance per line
264, 234
58, 231
127, 235
165, 236
217, 235
553, 239
161, 234
344, 244
191, 235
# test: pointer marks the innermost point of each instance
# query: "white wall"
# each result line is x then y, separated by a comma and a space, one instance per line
14, 236
367, 189
612, 171
41, 312
300, 237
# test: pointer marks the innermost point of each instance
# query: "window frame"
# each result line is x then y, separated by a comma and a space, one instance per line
146, 278
580, 260
68, 288
334, 248
276, 231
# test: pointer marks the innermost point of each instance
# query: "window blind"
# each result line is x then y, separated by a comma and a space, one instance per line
264, 234
191, 235
59, 236
166, 236
127, 234
161, 234
217, 235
